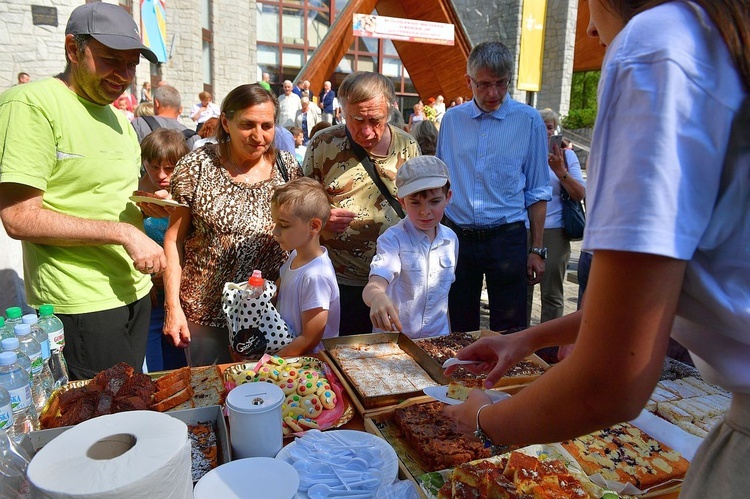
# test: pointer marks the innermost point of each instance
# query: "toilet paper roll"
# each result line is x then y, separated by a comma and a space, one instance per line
130, 454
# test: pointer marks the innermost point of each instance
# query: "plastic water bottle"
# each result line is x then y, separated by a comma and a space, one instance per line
14, 317
13, 463
31, 347
53, 326
255, 284
13, 345
6, 412
41, 337
4, 333
15, 379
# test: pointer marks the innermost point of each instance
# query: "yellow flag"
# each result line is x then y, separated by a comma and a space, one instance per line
532, 45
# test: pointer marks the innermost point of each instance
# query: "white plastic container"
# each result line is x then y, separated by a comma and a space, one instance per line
255, 420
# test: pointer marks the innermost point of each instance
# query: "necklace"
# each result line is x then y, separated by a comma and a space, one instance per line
239, 173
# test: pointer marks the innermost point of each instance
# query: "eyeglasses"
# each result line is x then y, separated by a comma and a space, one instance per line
485, 85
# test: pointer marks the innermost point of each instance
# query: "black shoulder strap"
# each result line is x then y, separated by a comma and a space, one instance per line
188, 133
152, 123
282, 167
363, 158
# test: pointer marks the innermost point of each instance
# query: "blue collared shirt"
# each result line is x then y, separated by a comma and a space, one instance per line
497, 163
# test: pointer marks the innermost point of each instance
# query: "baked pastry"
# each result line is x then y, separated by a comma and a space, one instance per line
208, 386
113, 390
690, 403
381, 369
458, 391
434, 438
204, 450
442, 348
517, 476
624, 453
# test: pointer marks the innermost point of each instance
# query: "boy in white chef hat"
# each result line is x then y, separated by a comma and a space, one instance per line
413, 269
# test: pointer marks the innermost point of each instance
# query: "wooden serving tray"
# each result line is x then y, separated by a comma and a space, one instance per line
381, 424
430, 364
365, 404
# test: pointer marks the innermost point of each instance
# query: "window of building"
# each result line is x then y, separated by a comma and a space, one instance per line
208, 39
289, 31
127, 5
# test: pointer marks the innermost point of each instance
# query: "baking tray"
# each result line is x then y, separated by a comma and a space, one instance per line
433, 364
381, 424
35, 440
331, 418
365, 404
51, 404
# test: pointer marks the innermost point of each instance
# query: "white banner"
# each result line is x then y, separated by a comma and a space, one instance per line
408, 30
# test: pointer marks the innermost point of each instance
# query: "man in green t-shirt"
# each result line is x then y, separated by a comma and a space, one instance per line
68, 163
266, 81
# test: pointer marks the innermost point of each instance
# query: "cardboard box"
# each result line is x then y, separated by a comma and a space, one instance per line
35, 440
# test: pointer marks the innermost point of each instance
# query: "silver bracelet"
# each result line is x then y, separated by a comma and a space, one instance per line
482, 436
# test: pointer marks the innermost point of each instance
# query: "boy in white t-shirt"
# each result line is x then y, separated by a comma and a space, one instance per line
414, 267
308, 297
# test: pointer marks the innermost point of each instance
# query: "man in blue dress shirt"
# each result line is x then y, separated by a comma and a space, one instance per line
496, 152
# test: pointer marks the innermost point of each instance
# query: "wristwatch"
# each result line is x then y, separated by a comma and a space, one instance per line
539, 251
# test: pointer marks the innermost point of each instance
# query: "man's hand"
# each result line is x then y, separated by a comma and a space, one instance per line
148, 257
534, 269
339, 220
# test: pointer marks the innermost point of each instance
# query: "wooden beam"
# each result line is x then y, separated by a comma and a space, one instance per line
434, 69
323, 62
588, 55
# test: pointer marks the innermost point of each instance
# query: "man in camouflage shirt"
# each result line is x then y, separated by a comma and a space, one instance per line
360, 212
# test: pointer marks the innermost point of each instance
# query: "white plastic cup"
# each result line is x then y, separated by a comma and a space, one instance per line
255, 420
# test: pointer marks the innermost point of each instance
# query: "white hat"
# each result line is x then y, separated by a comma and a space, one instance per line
420, 174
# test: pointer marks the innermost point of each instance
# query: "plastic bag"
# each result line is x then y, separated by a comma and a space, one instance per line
13, 464
255, 326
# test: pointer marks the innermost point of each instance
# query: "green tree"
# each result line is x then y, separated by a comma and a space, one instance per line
582, 112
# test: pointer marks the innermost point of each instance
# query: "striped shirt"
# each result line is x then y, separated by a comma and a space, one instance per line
497, 163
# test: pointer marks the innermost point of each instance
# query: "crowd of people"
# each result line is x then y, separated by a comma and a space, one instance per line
371, 231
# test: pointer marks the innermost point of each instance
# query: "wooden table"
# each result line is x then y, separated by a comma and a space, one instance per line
357, 423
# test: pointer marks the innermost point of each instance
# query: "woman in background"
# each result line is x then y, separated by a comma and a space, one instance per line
667, 219
565, 172
208, 133
426, 134
204, 110
146, 92
417, 116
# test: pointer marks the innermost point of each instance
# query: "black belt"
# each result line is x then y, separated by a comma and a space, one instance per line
482, 234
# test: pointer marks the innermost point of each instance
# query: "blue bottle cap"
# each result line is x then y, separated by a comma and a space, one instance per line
10, 344
8, 358
22, 329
